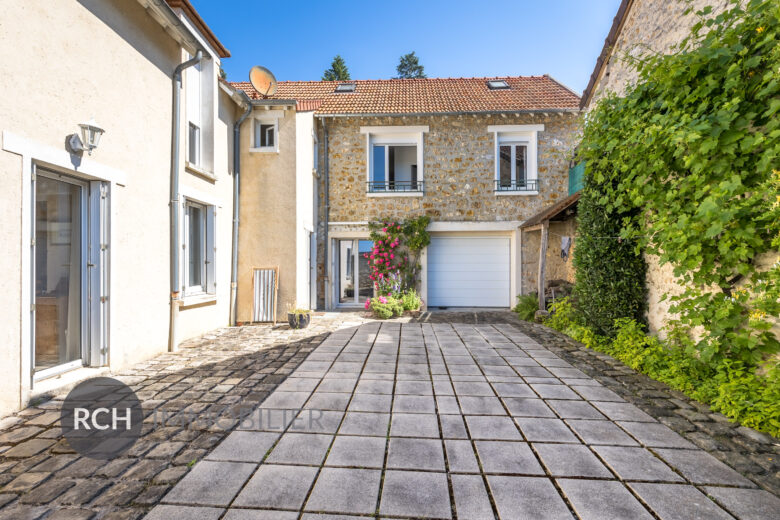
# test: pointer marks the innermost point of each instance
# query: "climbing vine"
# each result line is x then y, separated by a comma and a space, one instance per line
689, 157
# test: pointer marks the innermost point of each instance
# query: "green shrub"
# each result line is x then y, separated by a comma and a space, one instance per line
410, 300
731, 387
385, 307
527, 305
610, 274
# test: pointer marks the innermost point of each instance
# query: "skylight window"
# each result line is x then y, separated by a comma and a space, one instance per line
497, 84
345, 87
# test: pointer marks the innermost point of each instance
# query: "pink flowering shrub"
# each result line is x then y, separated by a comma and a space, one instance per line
393, 265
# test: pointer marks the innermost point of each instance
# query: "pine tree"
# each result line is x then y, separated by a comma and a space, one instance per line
409, 67
338, 70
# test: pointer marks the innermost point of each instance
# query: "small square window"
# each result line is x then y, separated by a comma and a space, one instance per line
264, 134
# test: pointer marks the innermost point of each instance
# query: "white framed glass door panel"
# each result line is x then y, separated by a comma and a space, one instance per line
60, 279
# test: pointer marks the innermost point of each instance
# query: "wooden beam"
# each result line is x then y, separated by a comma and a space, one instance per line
537, 227
542, 261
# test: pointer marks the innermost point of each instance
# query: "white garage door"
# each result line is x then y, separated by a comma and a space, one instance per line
468, 272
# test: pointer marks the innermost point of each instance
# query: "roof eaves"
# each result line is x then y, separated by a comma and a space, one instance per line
609, 42
163, 14
205, 30
456, 113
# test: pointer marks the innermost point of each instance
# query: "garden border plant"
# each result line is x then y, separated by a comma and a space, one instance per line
394, 264
685, 167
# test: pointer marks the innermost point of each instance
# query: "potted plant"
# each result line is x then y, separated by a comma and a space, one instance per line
297, 317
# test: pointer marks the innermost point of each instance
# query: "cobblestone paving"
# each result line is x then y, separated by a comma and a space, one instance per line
214, 377
456, 416
489, 420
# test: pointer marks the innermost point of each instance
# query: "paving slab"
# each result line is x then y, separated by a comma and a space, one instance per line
415, 494
243, 446
636, 464
358, 452
655, 435
340, 490
277, 487
198, 486
424, 454
570, 460
471, 498
169, 512
507, 458
300, 448
678, 501
414, 425
545, 430
600, 499
700, 467
460, 456
601, 432
365, 423
527, 497
574, 409
746, 504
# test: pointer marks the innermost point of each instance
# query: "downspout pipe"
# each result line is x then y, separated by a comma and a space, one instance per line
327, 209
236, 201
175, 247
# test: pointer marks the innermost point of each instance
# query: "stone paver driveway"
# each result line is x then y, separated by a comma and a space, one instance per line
446, 421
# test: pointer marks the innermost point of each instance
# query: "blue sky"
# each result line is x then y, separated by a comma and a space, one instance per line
296, 40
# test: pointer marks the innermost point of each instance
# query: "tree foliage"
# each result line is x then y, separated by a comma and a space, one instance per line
409, 67
688, 159
338, 70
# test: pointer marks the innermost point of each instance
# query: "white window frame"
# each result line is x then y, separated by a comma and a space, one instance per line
269, 117
208, 286
516, 135
194, 112
394, 136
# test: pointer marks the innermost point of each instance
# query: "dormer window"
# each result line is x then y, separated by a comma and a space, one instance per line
345, 87
497, 84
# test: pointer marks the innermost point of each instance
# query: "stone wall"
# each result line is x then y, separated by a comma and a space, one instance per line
556, 268
459, 171
652, 26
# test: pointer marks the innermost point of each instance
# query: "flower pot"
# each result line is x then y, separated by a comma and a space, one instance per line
298, 320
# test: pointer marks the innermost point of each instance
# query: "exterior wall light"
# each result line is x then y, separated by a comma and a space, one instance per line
89, 139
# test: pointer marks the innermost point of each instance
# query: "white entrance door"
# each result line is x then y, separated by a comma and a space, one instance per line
468, 272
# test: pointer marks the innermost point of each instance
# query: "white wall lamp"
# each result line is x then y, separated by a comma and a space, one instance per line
89, 139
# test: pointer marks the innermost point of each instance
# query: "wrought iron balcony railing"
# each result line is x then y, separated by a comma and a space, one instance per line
515, 185
395, 186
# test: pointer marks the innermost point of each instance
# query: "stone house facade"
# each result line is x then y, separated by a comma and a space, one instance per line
477, 160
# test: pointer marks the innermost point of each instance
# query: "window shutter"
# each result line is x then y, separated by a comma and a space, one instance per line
211, 250
192, 89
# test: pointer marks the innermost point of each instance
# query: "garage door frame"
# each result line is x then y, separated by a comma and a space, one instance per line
511, 264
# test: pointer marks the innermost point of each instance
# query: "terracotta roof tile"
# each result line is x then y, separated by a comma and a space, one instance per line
427, 96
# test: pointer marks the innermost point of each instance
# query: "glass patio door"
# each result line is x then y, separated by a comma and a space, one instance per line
354, 285
60, 273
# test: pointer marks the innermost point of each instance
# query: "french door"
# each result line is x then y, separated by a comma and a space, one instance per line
70, 280
353, 283
60, 273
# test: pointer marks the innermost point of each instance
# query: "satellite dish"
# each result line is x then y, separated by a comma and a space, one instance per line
263, 80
